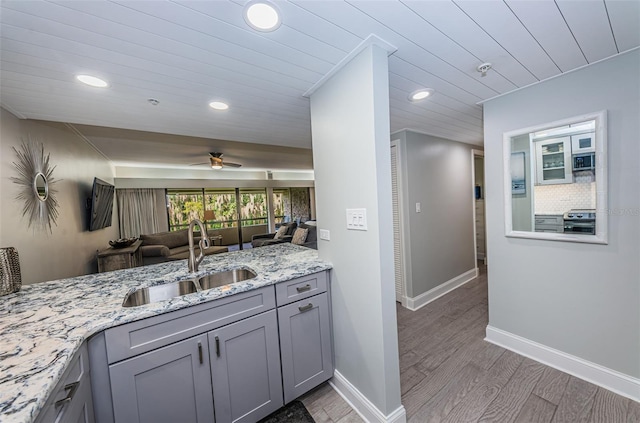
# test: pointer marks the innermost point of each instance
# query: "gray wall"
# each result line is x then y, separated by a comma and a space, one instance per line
70, 250
582, 299
522, 204
350, 129
437, 174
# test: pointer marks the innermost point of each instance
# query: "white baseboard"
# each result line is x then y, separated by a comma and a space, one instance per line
422, 300
612, 380
365, 408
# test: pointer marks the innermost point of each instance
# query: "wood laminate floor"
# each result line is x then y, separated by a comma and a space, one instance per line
448, 373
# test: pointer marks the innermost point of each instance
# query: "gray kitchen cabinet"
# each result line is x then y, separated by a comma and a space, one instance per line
71, 400
305, 345
549, 223
217, 359
553, 161
169, 384
245, 369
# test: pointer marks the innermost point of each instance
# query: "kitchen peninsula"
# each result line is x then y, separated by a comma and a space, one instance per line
43, 326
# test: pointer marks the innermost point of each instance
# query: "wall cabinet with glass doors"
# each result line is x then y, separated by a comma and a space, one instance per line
553, 161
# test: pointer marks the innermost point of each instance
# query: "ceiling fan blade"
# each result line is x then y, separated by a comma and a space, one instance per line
228, 164
199, 164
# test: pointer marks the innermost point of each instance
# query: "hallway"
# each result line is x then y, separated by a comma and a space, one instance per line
450, 374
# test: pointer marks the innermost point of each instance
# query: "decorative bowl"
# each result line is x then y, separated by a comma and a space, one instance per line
122, 242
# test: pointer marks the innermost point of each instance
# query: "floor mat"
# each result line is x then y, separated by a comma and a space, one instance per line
294, 412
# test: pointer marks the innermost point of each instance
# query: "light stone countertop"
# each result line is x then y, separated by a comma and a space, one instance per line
43, 325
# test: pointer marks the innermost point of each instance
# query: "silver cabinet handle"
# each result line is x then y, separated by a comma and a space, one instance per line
305, 308
72, 388
307, 287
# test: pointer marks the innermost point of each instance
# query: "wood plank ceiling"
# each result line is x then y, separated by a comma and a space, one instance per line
188, 53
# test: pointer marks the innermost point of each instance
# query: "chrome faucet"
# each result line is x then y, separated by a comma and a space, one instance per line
204, 244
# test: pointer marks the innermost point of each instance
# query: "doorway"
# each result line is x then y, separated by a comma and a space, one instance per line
480, 240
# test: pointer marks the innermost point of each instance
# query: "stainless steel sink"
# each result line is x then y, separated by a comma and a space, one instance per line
152, 294
215, 280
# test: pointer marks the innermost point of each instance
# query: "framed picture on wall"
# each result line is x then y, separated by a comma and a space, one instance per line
518, 185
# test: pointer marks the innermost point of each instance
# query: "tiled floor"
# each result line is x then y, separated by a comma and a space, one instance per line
449, 373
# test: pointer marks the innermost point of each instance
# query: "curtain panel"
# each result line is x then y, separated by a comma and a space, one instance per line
137, 212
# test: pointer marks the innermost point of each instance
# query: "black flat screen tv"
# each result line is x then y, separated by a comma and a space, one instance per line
101, 205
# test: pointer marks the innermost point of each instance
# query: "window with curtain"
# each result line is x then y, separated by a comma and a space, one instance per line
137, 211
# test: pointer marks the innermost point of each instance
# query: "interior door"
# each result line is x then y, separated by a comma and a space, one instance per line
398, 253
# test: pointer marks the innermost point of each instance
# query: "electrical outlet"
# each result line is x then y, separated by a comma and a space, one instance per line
357, 219
325, 234
418, 208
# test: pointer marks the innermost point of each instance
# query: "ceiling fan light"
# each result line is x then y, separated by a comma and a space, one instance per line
262, 16
216, 163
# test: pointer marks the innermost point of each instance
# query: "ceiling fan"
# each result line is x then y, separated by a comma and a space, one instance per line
216, 162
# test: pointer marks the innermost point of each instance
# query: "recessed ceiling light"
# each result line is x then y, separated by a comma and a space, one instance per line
218, 105
421, 94
92, 81
262, 16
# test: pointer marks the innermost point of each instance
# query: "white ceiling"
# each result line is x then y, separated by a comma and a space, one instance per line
188, 53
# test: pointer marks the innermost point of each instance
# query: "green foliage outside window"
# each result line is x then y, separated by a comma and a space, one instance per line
183, 208
220, 205
281, 204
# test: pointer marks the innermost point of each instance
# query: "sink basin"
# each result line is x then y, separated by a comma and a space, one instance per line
152, 294
157, 293
215, 280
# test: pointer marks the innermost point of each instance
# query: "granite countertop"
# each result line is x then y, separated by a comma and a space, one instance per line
43, 325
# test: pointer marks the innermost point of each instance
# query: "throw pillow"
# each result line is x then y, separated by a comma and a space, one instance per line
282, 231
299, 236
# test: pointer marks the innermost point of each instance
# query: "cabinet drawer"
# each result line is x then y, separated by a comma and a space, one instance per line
297, 289
74, 384
549, 219
148, 334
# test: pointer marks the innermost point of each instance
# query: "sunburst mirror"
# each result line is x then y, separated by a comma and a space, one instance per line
35, 178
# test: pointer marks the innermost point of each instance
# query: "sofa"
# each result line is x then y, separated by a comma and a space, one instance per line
311, 240
312, 235
172, 245
261, 240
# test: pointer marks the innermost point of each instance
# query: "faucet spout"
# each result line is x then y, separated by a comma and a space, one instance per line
194, 261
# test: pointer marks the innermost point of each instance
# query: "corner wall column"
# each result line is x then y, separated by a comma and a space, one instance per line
351, 155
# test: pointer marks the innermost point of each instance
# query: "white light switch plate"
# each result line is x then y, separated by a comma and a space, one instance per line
325, 234
357, 219
418, 208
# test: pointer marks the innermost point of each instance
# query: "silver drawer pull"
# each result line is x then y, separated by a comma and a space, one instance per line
72, 388
305, 288
305, 308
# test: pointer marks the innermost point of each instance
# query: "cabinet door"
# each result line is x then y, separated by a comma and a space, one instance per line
245, 369
81, 410
305, 343
553, 161
170, 384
